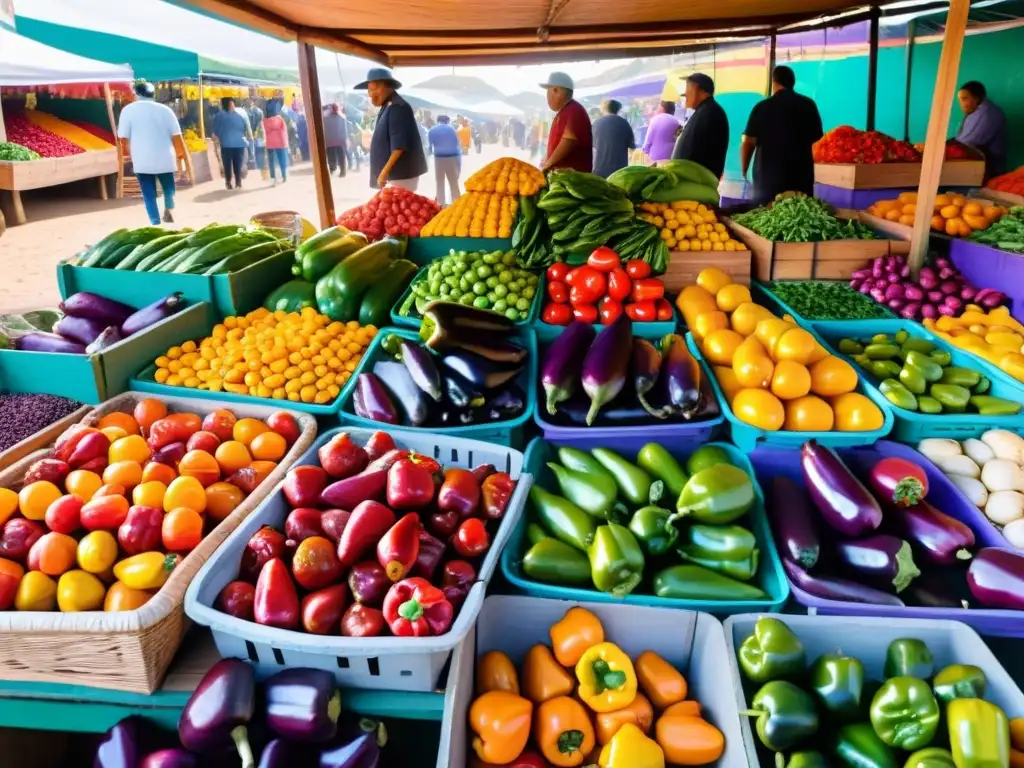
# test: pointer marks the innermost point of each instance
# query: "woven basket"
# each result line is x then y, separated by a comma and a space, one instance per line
43, 438
284, 224
125, 650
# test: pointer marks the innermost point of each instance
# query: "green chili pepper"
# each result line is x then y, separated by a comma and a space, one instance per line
717, 495
616, 561
987, 405
535, 534
694, 582
594, 493
552, 561
635, 485
563, 519
881, 351
660, 463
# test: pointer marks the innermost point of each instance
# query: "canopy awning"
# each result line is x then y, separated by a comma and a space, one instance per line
25, 62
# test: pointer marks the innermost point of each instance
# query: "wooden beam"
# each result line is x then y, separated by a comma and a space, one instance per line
108, 97
245, 14
938, 124
3, 129
315, 126
456, 52
872, 68
342, 44
772, 44
911, 33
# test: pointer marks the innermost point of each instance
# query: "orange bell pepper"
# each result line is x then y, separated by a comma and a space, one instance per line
1017, 733
688, 740
662, 682
563, 731
573, 634
501, 722
683, 709
496, 672
543, 679
639, 713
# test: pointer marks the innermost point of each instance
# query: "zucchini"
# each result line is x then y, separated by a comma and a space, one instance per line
98, 252
321, 240
338, 293
211, 234
238, 261
375, 308
153, 246
215, 252
151, 262
137, 237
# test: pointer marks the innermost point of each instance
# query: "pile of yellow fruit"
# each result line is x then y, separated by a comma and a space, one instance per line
475, 214
686, 225
299, 356
193, 140
993, 335
953, 214
773, 373
507, 176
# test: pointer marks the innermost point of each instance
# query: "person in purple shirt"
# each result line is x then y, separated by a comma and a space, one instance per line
662, 132
984, 126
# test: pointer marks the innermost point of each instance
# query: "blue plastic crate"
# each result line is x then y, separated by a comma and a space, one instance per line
748, 437
910, 426
423, 250
770, 577
762, 294
509, 432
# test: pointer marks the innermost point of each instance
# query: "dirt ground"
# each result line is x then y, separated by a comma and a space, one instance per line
63, 220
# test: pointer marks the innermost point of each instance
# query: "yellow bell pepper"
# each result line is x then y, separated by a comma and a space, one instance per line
630, 748
150, 570
80, 591
607, 680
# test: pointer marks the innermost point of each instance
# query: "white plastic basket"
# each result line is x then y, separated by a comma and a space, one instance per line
692, 642
950, 642
391, 663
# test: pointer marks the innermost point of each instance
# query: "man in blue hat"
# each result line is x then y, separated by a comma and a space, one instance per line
570, 140
396, 152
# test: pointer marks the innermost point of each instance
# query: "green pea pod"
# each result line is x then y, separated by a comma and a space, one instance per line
931, 370
858, 746
563, 519
898, 395
926, 404
913, 344
660, 463
554, 562
635, 485
982, 386
536, 534
979, 734
772, 652
960, 681
885, 369
905, 714
785, 715
913, 379
593, 493
694, 582
987, 405
616, 560
850, 347
932, 757
718, 495
881, 351
838, 683
908, 657
962, 377
951, 396
652, 529
942, 357
741, 570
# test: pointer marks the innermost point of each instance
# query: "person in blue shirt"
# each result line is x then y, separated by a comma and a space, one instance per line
447, 151
396, 151
231, 132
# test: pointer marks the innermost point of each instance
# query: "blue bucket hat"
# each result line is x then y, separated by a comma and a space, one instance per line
378, 73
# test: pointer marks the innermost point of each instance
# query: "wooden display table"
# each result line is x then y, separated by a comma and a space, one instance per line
1001, 198
955, 173
684, 266
51, 171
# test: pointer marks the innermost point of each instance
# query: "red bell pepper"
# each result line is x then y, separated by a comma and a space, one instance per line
263, 546
557, 314
429, 558
638, 269
415, 608
398, 549
529, 759
496, 492
369, 521
608, 309
457, 578
648, 289
585, 312
619, 284
471, 540
276, 603
603, 259
642, 312
362, 621
378, 444
558, 292
460, 492
558, 271
412, 482
588, 285
341, 457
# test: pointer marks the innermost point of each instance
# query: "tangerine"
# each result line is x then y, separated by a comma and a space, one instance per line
83, 483
130, 448
269, 446
222, 499
35, 498
154, 471
149, 494
232, 456
124, 473
123, 421
200, 465
246, 430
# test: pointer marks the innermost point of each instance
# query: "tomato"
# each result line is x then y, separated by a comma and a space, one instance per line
638, 269
557, 314
664, 310
558, 292
558, 271
585, 312
587, 287
603, 259
619, 284
642, 311
608, 309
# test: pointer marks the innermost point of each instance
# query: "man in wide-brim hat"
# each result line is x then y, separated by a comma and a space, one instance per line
396, 151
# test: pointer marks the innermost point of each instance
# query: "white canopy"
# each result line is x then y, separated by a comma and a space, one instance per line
26, 62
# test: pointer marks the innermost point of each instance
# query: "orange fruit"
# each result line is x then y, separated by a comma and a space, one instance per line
9, 503
182, 530
232, 456
185, 492
154, 471
222, 498
808, 414
123, 421
752, 365
719, 346
797, 345
269, 445
790, 380
245, 430
149, 410
35, 497
114, 433
53, 554
200, 465
149, 494
83, 483
832, 376
856, 413
125, 473
122, 598
131, 448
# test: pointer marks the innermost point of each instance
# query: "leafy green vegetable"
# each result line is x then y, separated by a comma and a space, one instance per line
827, 300
1007, 234
15, 152
801, 220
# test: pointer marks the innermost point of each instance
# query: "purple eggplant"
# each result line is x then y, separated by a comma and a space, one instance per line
479, 371
110, 336
646, 365
938, 538
624, 410
929, 590
431, 553
286, 754
85, 304
303, 705
349, 492
843, 501
507, 403
373, 401
219, 710
153, 313
606, 364
120, 745
882, 557
460, 392
793, 522
422, 368
357, 747
369, 582
563, 362
843, 590
398, 381
170, 758
37, 341
678, 387
996, 578
83, 330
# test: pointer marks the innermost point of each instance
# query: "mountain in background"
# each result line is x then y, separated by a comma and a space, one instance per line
470, 88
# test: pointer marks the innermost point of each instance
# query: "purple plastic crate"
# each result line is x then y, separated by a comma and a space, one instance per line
855, 199
675, 436
989, 267
772, 462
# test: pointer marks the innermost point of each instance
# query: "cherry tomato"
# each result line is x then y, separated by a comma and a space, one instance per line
558, 292
558, 271
642, 311
588, 287
603, 259
664, 309
608, 309
557, 314
648, 289
638, 269
619, 284
585, 312
471, 539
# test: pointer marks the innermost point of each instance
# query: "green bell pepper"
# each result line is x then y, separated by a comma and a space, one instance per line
660, 463
705, 457
898, 395
635, 485
911, 378
555, 562
785, 715
693, 582
931, 370
858, 746
908, 657
616, 560
885, 369
594, 493
293, 296
959, 681
838, 682
535, 534
717, 495
772, 652
905, 714
651, 527
727, 549
987, 405
933, 757
979, 734
962, 377
850, 347
881, 351
952, 397
563, 519
926, 404
914, 344
802, 760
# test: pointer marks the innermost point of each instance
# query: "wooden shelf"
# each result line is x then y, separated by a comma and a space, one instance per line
955, 173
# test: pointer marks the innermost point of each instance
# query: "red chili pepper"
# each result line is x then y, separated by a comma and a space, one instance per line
557, 271
648, 289
457, 578
585, 312
608, 309
603, 259
362, 621
471, 540
642, 312
557, 314
460, 492
496, 492
664, 309
619, 284
276, 603
638, 269
558, 292
398, 549
411, 482
369, 521
588, 286
415, 608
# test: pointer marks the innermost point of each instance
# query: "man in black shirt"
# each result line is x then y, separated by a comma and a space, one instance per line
396, 152
705, 137
779, 135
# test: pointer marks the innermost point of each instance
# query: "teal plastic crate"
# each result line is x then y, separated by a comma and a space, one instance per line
423, 250
94, 378
547, 333
910, 426
413, 320
748, 437
762, 294
231, 294
508, 432
770, 577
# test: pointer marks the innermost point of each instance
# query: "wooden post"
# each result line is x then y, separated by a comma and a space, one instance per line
109, 98
314, 122
872, 67
202, 109
3, 129
771, 61
938, 123
911, 32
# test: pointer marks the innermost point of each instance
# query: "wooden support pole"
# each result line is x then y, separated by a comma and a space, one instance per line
310, 81
772, 42
108, 97
911, 32
938, 124
872, 67
202, 109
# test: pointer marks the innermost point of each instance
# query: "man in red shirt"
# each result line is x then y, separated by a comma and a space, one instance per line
570, 143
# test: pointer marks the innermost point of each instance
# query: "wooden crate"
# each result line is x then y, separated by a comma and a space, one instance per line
1001, 198
892, 229
955, 173
51, 171
684, 266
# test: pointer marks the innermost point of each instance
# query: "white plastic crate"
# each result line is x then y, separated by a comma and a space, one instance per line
692, 642
391, 663
951, 642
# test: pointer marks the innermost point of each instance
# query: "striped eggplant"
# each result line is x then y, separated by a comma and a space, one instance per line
678, 389
606, 364
422, 368
843, 501
560, 373
646, 364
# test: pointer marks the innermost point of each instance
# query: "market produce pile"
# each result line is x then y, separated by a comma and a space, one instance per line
193, 140
827, 300
990, 333
21, 130
796, 218
686, 225
475, 214
953, 214
80, 137
652, 525
372, 532
849, 145
392, 211
831, 712
507, 176
12, 152
774, 374
1006, 234
21, 416
100, 133
672, 181
134, 494
1012, 182
626, 712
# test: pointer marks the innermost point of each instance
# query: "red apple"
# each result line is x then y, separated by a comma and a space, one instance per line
53, 470
303, 523
93, 446
285, 425
65, 514
221, 423
341, 457
303, 485
203, 441
236, 599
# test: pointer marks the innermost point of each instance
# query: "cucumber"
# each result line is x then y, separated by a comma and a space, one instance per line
217, 251
98, 252
375, 308
211, 234
236, 262
151, 262
153, 246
